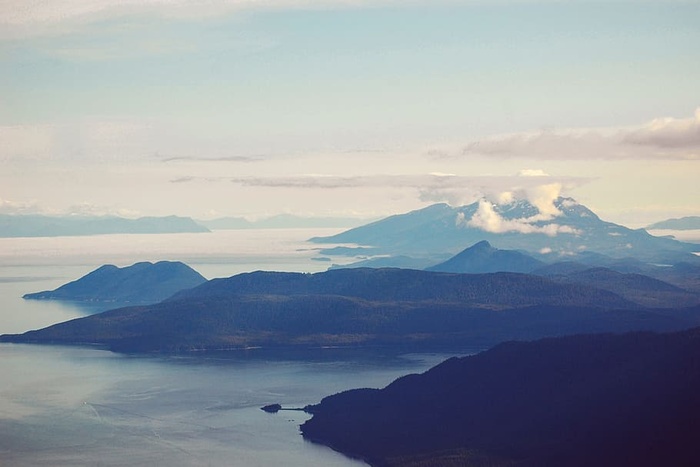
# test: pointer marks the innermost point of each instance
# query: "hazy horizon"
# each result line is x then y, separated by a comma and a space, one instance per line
348, 108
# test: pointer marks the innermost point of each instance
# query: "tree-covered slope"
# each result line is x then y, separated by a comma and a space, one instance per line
605, 400
483, 258
361, 307
140, 283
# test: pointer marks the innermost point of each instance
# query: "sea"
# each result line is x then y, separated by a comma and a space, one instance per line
83, 406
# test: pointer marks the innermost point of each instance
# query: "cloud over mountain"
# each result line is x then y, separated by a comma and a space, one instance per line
486, 218
541, 197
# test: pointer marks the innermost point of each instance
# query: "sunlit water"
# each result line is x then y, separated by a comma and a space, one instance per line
83, 406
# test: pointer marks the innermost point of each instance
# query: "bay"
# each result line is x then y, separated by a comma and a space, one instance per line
63, 405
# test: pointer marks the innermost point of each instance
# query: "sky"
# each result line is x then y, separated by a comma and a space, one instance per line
212, 108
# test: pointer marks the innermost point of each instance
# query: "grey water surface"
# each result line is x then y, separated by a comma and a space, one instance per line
79, 406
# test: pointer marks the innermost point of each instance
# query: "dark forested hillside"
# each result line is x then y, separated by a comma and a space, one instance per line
604, 400
504, 290
483, 258
140, 283
357, 307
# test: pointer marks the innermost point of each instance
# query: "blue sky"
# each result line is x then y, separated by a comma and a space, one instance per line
230, 107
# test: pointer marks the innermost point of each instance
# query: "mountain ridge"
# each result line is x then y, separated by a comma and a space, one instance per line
606, 399
141, 283
442, 229
483, 258
35, 225
683, 223
362, 307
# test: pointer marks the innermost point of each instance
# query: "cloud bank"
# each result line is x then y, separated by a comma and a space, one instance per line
661, 139
668, 133
453, 189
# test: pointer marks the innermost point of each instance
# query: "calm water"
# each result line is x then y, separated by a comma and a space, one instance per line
82, 406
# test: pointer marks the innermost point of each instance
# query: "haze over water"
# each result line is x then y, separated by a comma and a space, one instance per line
86, 406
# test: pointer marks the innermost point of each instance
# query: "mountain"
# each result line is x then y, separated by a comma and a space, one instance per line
441, 229
683, 275
400, 261
604, 400
49, 226
684, 223
482, 258
362, 307
561, 268
140, 283
638, 288
502, 290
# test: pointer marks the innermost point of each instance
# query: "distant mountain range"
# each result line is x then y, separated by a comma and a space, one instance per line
49, 226
58, 226
650, 289
554, 284
359, 307
684, 223
138, 284
604, 400
441, 231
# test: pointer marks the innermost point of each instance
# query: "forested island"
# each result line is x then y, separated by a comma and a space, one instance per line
371, 307
604, 400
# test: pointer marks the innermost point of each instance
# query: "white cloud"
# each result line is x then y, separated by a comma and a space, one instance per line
668, 133
479, 185
14, 207
486, 218
453, 189
663, 138
545, 145
568, 203
506, 197
543, 197
533, 173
